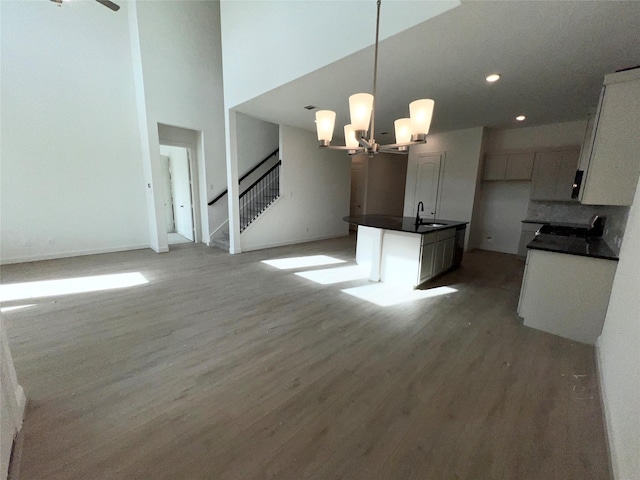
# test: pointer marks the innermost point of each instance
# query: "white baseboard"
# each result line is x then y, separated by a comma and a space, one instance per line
77, 253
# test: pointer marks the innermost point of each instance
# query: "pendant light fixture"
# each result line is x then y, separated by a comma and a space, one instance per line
409, 131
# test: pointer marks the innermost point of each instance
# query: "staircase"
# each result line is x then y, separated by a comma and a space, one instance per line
257, 198
253, 201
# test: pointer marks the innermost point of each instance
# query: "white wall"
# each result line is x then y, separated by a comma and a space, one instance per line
315, 187
12, 402
256, 140
461, 150
619, 355
313, 34
503, 204
178, 67
72, 182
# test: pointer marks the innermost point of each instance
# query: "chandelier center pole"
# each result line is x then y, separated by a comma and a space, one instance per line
375, 74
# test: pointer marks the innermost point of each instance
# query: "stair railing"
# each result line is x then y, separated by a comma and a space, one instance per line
259, 195
253, 169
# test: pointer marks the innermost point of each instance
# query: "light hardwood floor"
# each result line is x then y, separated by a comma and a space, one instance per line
223, 367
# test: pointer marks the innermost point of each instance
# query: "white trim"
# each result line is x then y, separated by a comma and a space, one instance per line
606, 413
80, 253
12, 402
226, 222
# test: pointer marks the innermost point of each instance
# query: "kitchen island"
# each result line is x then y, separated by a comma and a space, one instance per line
401, 251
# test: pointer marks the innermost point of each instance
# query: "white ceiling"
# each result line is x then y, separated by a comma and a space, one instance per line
552, 57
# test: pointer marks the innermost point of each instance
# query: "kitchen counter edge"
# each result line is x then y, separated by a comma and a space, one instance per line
401, 224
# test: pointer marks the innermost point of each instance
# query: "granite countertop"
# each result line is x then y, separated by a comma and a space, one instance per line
402, 224
594, 247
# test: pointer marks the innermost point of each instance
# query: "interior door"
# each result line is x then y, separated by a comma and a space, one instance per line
167, 199
427, 183
181, 186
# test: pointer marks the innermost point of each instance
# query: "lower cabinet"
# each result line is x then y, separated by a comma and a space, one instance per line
426, 262
409, 259
436, 255
566, 295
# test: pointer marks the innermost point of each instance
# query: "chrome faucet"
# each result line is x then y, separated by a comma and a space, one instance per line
420, 209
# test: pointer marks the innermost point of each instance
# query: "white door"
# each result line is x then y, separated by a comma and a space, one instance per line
167, 199
181, 186
427, 182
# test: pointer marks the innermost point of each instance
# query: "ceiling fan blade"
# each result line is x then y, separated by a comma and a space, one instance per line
109, 4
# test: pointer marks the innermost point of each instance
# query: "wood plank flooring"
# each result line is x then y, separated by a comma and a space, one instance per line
223, 367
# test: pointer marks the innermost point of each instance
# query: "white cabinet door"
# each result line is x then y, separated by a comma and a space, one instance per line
495, 167
447, 255
545, 175
615, 162
553, 175
519, 166
566, 175
438, 258
426, 262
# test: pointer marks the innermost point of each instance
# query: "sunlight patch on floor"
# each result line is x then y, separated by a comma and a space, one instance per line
17, 307
302, 262
386, 295
330, 276
48, 288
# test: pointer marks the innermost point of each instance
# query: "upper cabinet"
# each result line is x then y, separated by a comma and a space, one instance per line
611, 170
508, 167
553, 174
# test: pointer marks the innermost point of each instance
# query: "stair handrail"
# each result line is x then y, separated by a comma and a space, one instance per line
261, 177
253, 169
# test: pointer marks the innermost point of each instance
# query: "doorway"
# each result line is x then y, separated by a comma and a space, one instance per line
177, 192
427, 188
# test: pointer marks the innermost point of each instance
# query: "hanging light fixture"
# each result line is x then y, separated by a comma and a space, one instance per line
409, 131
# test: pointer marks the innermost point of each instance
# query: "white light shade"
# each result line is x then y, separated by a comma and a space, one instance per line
360, 107
421, 112
325, 120
403, 130
350, 139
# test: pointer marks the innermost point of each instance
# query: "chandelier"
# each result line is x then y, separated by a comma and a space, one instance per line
409, 131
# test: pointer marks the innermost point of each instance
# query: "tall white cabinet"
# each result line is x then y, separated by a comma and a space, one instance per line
613, 167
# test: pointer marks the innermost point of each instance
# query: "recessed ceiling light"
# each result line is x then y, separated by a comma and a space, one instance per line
521, 118
494, 77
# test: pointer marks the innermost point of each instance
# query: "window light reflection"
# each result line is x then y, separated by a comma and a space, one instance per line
48, 288
386, 295
17, 307
302, 262
330, 276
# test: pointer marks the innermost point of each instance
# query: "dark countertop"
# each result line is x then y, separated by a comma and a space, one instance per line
594, 247
401, 224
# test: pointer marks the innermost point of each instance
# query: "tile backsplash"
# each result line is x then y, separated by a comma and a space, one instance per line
569, 212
